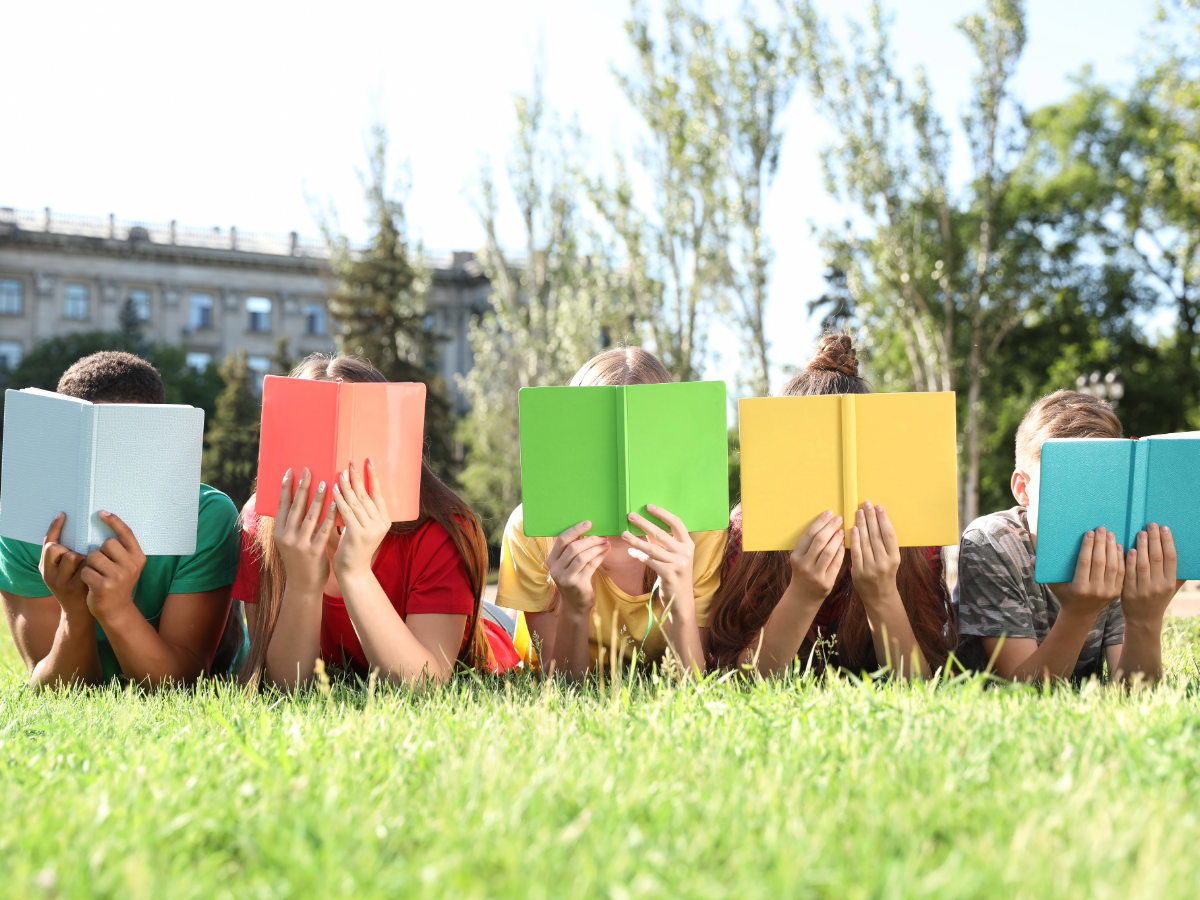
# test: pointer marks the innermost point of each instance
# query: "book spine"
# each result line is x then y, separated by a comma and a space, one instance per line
849, 464
623, 509
87, 521
1139, 480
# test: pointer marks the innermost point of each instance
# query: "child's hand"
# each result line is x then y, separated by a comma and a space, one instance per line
61, 569
301, 537
573, 560
1150, 576
112, 571
874, 554
817, 558
669, 555
366, 518
1099, 574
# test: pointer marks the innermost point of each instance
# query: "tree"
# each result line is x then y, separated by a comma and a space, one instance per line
938, 278
678, 248
230, 461
551, 311
379, 304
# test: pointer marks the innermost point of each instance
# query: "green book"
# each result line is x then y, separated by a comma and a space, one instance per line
599, 453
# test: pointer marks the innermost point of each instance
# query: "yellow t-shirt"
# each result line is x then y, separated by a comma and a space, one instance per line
525, 585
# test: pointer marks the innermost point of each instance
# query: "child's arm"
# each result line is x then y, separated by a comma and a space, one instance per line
875, 560
672, 558
1099, 573
572, 562
815, 561
301, 539
189, 629
1149, 586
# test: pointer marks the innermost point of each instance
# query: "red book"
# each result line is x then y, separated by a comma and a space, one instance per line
325, 424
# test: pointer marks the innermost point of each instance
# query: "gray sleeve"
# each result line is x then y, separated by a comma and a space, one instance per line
1114, 625
991, 596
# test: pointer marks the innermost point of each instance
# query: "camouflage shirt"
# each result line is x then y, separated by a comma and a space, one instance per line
996, 594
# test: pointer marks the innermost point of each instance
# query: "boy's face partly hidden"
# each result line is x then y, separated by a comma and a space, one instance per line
1025, 488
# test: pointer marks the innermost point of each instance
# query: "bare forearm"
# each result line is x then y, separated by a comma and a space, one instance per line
73, 658
296, 642
144, 656
683, 631
1141, 654
1057, 655
892, 635
387, 641
570, 653
785, 631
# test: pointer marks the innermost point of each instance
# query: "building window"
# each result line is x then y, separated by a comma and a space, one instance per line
199, 361
258, 366
202, 307
11, 297
314, 319
260, 313
140, 300
10, 354
75, 301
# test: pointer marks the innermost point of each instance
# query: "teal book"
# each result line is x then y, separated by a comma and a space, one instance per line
1123, 485
599, 453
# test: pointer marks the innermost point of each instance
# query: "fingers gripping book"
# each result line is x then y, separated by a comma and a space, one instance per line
139, 461
804, 455
1123, 485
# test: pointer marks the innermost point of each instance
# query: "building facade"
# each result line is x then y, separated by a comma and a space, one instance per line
212, 291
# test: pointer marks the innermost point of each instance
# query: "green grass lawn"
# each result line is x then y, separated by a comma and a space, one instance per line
795, 788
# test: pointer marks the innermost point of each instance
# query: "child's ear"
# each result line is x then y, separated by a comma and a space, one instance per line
1020, 486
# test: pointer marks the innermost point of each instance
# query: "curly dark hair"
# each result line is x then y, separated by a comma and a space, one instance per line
113, 376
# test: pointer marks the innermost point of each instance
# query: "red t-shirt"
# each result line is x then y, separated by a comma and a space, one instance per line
420, 572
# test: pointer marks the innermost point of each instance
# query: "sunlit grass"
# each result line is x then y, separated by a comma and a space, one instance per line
517, 788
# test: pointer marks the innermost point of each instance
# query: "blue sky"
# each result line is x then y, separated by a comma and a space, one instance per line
240, 113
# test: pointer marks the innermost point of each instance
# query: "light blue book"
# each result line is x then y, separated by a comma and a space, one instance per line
1123, 485
138, 461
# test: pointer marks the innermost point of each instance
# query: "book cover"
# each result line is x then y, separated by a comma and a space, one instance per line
1123, 485
325, 424
139, 461
598, 453
804, 455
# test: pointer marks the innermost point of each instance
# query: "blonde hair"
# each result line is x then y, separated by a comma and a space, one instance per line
1063, 414
622, 365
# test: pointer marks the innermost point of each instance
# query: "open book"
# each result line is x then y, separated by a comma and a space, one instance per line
599, 453
325, 424
804, 455
1123, 485
139, 461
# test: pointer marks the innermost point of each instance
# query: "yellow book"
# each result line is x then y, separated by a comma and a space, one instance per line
804, 455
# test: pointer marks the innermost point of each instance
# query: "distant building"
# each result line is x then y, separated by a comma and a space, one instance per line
213, 291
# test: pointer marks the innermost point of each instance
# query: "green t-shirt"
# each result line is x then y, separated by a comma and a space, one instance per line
213, 565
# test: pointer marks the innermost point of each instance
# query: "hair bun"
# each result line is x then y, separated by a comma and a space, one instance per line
835, 353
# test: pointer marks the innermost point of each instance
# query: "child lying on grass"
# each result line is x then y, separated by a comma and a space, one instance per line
118, 612
1110, 613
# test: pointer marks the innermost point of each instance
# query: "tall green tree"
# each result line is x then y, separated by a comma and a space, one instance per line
230, 461
938, 276
552, 309
379, 304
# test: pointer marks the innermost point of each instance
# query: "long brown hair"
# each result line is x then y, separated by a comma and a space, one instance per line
751, 588
438, 502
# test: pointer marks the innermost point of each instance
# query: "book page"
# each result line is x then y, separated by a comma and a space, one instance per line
1083, 483
791, 450
1173, 495
908, 463
147, 472
569, 459
677, 442
387, 424
41, 470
